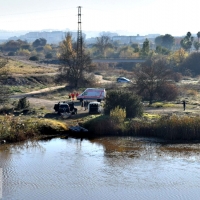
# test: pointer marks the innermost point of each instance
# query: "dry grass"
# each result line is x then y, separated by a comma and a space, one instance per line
18, 67
17, 128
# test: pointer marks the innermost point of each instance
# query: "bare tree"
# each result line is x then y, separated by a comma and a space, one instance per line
102, 44
4, 91
151, 77
73, 65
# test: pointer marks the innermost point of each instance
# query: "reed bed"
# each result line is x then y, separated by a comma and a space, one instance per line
169, 128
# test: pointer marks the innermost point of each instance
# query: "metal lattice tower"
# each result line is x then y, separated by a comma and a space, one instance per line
79, 35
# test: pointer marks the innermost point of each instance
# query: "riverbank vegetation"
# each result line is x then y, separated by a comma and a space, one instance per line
174, 128
161, 82
19, 128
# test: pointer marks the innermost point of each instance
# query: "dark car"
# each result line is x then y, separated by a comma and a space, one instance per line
62, 107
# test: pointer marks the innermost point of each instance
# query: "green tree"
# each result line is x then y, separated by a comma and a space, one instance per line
192, 64
124, 100
39, 42
186, 42
198, 35
162, 50
151, 76
145, 49
158, 40
102, 44
73, 67
4, 72
196, 45
167, 41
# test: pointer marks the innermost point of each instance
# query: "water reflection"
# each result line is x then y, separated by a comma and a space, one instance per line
105, 168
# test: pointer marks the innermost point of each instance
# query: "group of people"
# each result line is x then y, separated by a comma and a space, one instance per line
73, 95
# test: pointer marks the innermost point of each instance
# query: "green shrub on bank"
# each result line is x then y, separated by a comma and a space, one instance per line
125, 100
104, 126
15, 129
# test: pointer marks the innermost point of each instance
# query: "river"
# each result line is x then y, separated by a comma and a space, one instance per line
107, 168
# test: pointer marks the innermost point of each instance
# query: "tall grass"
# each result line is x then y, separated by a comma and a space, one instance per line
170, 128
15, 129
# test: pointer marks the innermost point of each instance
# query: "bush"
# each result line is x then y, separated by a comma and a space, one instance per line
11, 53
118, 114
125, 100
34, 58
168, 92
39, 49
23, 52
22, 103
48, 56
191, 63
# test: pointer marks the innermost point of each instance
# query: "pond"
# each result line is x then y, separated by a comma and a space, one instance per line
105, 168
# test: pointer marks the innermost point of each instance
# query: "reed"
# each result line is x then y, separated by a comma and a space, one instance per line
169, 128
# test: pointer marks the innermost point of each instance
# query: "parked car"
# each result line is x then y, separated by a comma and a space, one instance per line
123, 80
97, 94
65, 107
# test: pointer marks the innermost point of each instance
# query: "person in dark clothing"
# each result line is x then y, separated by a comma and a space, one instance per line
86, 105
82, 104
184, 105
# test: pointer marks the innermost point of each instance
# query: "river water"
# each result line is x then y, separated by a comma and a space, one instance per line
106, 168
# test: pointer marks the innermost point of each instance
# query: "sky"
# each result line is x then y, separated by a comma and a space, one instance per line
125, 17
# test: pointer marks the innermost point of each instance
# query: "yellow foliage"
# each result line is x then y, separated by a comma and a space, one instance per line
178, 56
23, 52
118, 114
66, 47
47, 48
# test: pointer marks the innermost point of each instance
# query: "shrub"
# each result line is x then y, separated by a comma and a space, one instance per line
22, 103
167, 92
11, 53
191, 63
15, 129
39, 49
49, 56
102, 125
118, 114
23, 52
34, 58
125, 100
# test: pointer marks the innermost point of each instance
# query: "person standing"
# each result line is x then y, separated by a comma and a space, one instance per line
82, 104
86, 104
184, 105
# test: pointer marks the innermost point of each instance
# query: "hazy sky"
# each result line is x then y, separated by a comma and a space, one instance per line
175, 17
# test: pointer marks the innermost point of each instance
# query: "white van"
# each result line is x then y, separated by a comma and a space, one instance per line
98, 94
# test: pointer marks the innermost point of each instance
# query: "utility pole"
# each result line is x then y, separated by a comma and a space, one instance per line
79, 35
